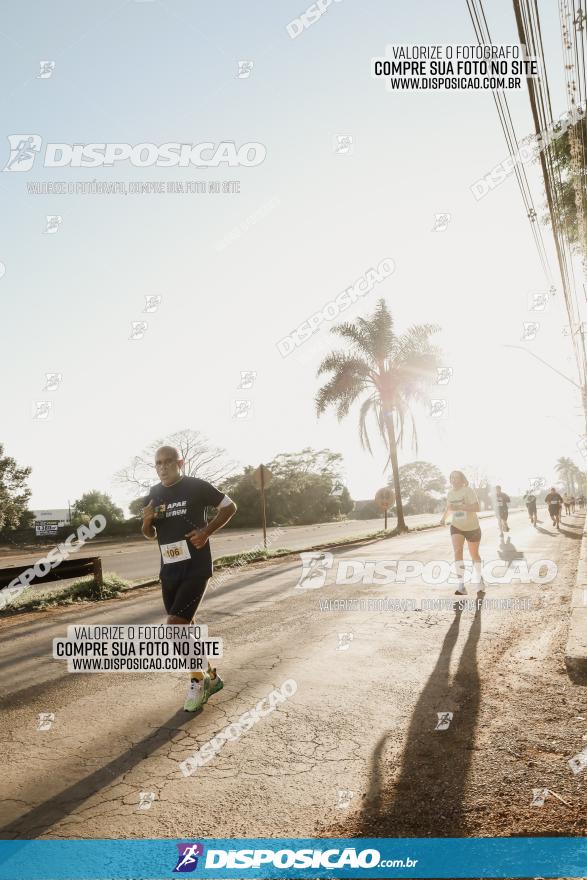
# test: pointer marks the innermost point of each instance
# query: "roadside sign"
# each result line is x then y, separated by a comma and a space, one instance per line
45, 528
384, 498
60, 515
262, 476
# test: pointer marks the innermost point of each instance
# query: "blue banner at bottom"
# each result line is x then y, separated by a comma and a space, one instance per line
381, 857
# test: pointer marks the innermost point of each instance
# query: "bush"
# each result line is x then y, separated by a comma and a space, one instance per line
81, 590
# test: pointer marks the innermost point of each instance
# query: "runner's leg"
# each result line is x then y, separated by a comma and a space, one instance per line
473, 547
182, 594
458, 542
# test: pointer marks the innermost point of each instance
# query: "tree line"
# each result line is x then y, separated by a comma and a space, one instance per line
384, 372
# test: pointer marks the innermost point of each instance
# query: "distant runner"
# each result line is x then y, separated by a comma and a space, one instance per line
175, 514
462, 506
501, 508
567, 502
555, 501
530, 502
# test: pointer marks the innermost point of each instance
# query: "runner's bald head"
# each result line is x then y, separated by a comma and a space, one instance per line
167, 464
167, 452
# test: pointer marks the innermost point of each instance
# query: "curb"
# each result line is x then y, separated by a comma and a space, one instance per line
576, 648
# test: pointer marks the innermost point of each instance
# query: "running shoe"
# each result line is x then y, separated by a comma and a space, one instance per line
216, 684
461, 591
197, 694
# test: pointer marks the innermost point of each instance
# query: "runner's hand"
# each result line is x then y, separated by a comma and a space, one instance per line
198, 538
148, 514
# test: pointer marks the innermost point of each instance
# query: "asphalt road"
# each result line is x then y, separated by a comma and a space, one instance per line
138, 560
353, 750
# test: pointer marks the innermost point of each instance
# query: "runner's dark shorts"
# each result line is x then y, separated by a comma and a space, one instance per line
554, 510
183, 588
503, 513
474, 535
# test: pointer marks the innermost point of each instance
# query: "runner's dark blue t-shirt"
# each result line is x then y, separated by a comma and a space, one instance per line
181, 508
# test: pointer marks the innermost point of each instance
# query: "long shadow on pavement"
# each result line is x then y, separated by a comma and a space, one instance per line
39, 819
427, 798
565, 531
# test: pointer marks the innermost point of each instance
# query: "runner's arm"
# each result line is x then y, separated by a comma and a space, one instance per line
226, 510
226, 507
148, 529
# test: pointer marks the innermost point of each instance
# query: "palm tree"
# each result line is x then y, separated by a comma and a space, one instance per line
393, 371
577, 477
565, 469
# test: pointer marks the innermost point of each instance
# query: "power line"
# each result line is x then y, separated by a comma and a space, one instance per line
530, 36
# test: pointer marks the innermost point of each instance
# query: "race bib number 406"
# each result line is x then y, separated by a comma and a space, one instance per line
175, 552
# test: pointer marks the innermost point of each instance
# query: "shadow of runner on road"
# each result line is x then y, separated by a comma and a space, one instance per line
38, 820
508, 552
427, 798
564, 530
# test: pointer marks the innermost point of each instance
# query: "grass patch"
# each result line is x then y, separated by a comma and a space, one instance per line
249, 556
81, 590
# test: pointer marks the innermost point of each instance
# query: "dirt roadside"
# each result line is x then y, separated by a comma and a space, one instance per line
519, 721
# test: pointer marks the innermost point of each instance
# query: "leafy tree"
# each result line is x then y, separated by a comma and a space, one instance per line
243, 491
567, 154
389, 372
136, 506
306, 487
93, 503
423, 484
14, 493
346, 502
368, 510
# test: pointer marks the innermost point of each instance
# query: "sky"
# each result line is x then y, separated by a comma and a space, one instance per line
309, 222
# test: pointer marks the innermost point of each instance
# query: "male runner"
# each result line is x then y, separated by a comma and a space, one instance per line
567, 503
530, 502
175, 510
555, 501
501, 503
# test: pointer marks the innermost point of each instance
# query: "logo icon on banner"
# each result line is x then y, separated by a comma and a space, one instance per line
188, 857
314, 570
23, 151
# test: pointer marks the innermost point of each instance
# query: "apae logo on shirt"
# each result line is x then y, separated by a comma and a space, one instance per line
176, 508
